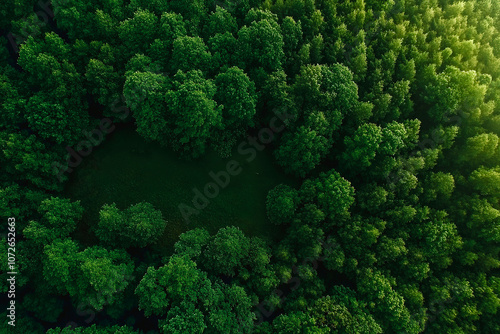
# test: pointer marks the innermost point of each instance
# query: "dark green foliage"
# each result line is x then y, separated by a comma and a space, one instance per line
220, 22
138, 32
190, 53
302, 151
343, 310
325, 94
261, 45
330, 192
281, 204
12, 103
226, 251
236, 93
191, 301
57, 110
26, 159
138, 226
192, 243
148, 94
388, 112
95, 277
179, 280
59, 218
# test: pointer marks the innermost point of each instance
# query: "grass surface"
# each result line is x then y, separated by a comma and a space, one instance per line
126, 169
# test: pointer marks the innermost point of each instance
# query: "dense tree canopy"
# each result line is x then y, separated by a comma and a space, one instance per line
386, 113
138, 226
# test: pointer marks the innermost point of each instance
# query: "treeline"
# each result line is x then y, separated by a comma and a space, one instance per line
395, 228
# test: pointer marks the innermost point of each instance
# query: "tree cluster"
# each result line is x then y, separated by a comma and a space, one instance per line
395, 227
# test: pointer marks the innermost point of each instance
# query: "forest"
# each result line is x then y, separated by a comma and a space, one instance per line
359, 142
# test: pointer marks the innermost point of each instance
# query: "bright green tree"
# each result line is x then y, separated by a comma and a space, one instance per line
138, 226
